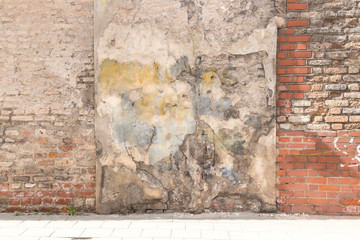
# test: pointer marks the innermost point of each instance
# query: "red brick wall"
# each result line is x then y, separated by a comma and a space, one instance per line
318, 108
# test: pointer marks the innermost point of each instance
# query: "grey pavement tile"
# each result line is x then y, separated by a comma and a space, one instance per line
199, 226
10, 223
143, 225
32, 223
11, 231
244, 235
185, 233
130, 233
97, 232
116, 224
208, 234
19, 238
88, 224
156, 233
61, 224
38, 232
68, 232
172, 225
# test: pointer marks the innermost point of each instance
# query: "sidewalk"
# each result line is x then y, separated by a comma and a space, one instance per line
244, 226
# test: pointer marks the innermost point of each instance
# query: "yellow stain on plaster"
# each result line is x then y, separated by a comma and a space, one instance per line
122, 77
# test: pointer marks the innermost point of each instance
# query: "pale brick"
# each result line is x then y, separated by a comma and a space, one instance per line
336, 119
298, 110
354, 70
352, 95
299, 119
317, 126
22, 118
337, 103
301, 103
336, 78
317, 87
317, 95
318, 119
281, 119
335, 110
354, 87
354, 119
355, 110
335, 87
337, 126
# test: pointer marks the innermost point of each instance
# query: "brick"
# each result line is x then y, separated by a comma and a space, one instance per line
348, 181
329, 188
302, 54
298, 38
336, 118
296, 6
301, 209
298, 70
297, 23
297, 201
318, 201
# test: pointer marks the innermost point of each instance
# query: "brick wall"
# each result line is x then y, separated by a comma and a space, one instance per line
47, 150
318, 108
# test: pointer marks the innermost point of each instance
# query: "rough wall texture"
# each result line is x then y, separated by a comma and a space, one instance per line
47, 148
318, 107
185, 115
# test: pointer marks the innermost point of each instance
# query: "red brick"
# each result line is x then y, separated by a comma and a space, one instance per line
67, 148
348, 195
25, 201
298, 38
303, 209
329, 173
298, 95
281, 71
281, 172
286, 62
53, 155
348, 181
329, 188
297, 23
297, 172
298, 70
302, 54
36, 201
14, 202
300, 62
285, 79
300, 87
353, 202
285, 95
316, 166
65, 194
315, 194
85, 194
286, 166
286, 31
281, 39
301, 46
329, 160
286, 193
318, 201
296, 158
297, 201
286, 180
63, 201
316, 180
297, 187
287, 47
334, 209
281, 55
297, 6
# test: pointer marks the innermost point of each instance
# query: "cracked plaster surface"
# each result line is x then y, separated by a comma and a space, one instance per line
185, 116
